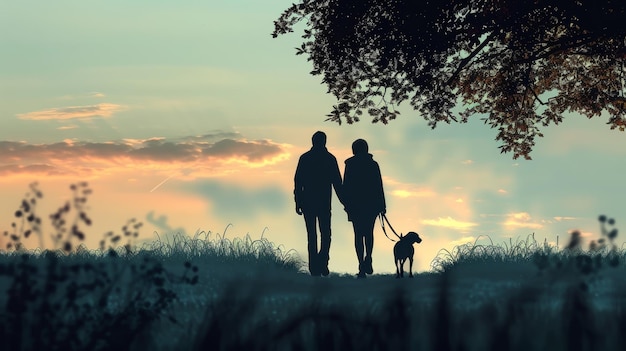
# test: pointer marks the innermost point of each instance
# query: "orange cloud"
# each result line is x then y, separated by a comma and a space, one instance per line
449, 222
413, 193
405, 190
71, 126
521, 220
34, 169
559, 218
72, 112
198, 158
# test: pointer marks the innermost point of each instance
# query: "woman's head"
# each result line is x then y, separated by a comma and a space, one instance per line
319, 139
359, 146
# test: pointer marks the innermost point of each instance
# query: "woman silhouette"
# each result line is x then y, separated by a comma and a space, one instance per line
364, 199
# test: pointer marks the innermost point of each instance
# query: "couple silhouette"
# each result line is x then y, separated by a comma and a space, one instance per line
360, 192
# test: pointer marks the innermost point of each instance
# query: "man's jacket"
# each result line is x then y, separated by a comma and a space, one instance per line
317, 170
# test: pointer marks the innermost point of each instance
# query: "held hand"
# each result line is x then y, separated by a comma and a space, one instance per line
299, 210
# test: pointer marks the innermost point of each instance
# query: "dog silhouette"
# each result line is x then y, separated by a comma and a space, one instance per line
402, 250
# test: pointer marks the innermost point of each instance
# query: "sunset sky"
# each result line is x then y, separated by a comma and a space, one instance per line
188, 116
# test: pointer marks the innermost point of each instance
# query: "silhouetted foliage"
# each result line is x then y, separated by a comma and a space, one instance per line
73, 299
521, 62
26, 216
64, 239
130, 231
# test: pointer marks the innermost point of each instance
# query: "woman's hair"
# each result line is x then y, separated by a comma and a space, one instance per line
359, 146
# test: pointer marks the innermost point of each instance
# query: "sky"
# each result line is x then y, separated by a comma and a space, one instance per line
190, 117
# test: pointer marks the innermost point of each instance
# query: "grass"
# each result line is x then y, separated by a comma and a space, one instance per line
212, 292
221, 250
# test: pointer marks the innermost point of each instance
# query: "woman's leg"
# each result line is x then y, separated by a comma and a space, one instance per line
358, 243
369, 244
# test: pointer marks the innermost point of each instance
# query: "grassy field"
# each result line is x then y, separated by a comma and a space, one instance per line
211, 292
220, 294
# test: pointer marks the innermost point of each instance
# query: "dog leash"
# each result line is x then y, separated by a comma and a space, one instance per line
383, 218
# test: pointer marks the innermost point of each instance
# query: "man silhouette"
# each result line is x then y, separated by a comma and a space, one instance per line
317, 170
364, 199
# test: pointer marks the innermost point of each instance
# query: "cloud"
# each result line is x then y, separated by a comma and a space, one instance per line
406, 190
502, 191
524, 216
159, 154
463, 240
73, 112
413, 193
230, 201
520, 220
167, 233
254, 151
467, 162
559, 218
449, 222
211, 136
91, 94
71, 126
35, 169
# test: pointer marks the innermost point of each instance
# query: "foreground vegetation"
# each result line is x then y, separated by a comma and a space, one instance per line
210, 292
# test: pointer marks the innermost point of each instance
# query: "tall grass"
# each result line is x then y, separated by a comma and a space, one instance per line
518, 252
524, 254
203, 248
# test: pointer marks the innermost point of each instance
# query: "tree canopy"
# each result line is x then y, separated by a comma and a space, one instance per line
522, 63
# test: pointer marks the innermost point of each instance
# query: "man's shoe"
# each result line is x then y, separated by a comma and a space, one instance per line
360, 275
368, 265
322, 264
325, 271
314, 269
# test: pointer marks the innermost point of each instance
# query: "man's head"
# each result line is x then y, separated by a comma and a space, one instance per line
319, 139
359, 146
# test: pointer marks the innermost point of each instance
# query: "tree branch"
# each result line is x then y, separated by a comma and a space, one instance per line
556, 48
535, 94
529, 85
466, 60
